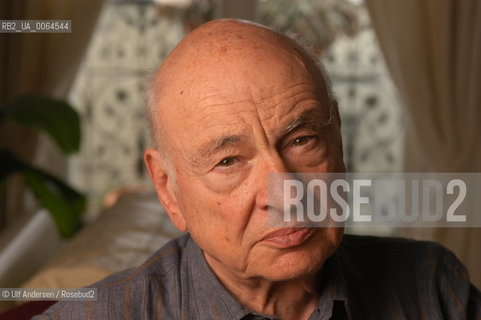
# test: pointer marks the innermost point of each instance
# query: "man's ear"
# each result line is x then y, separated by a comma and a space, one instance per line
163, 182
335, 113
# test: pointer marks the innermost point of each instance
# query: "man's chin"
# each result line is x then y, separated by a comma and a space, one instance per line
293, 265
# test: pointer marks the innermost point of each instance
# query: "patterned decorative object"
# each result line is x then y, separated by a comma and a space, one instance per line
372, 120
130, 41
319, 22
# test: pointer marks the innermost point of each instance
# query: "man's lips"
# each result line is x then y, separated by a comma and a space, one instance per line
288, 237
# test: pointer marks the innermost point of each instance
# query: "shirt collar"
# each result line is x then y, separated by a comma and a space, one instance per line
218, 303
214, 299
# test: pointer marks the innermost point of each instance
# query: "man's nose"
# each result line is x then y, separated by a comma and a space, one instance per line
271, 172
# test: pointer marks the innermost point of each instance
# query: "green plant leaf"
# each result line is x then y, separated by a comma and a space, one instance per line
62, 123
63, 202
57, 118
10, 163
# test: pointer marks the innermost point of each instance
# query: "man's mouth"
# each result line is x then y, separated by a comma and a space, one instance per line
288, 237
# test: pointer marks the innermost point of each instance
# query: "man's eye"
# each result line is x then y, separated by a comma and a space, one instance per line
300, 141
228, 161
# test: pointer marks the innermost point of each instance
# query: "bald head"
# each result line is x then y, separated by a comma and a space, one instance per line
220, 52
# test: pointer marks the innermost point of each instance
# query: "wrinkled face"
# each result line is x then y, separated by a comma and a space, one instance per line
228, 131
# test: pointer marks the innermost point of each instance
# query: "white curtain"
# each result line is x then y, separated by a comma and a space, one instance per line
433, 51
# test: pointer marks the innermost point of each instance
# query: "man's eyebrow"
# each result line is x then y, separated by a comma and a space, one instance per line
214, 146
313, 119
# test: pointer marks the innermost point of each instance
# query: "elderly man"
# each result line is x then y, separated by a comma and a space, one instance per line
233, 102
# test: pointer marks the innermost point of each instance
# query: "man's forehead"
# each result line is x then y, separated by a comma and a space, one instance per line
230, 105
273, 115
226, 64
226, 81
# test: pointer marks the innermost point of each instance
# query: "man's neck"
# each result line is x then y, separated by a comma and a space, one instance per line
293, 299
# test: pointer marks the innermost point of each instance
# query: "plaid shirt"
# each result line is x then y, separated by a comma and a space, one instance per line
367, 278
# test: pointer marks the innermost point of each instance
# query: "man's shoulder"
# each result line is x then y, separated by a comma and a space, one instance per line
407, 277
126, 291
400, 256
162, 263
394, 248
